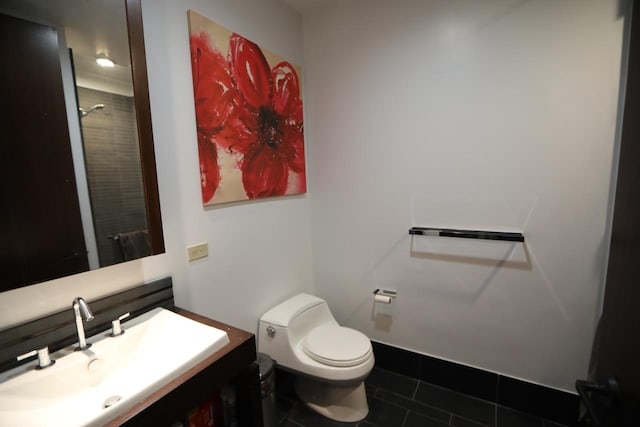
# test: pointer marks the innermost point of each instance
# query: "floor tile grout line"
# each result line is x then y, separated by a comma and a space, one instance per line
397, 405
471, 420
295, 423
451, 414
460, 395
418, 402
406, 415
415, 390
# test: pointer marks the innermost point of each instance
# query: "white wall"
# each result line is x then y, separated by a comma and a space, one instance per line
498, 114
260, 252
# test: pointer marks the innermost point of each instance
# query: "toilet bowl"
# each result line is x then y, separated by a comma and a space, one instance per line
330, 361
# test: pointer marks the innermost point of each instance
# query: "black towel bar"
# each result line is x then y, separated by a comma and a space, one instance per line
467, 234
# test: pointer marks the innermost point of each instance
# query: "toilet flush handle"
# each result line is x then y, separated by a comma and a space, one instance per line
271, 331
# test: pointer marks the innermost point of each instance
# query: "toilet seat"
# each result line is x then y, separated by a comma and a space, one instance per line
335, 345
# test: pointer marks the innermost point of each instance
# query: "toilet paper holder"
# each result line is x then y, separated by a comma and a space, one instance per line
386, 293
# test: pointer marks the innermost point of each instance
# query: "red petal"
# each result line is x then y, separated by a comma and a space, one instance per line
250, 71
264, 172
209, 169
239, 131
292, 147
286, 92
295, 116
212, 86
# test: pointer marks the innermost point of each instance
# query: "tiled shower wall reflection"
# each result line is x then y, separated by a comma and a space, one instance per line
113, 169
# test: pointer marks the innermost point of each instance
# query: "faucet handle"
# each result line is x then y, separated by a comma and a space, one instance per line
116, 327
44, 359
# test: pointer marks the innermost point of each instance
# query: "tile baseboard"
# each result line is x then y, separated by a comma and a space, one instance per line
544, 402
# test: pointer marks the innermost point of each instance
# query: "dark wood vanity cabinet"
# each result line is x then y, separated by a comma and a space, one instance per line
234, 364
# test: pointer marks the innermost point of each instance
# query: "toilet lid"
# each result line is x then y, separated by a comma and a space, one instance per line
337, 346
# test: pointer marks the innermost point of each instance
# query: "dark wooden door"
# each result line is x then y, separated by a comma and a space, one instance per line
41, 236
613, 391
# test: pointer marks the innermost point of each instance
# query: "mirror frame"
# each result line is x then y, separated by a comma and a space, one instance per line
145, 129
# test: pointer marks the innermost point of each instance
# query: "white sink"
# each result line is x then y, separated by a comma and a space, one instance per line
156, 348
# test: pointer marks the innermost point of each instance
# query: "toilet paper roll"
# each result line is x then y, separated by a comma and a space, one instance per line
382, 298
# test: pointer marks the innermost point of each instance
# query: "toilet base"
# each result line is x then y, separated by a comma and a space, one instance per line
341, 403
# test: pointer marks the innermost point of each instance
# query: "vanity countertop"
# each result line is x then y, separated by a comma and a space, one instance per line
218, 369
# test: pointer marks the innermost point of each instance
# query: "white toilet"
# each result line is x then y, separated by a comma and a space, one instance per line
330, 361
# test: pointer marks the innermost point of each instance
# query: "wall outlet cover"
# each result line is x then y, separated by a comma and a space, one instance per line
197, 251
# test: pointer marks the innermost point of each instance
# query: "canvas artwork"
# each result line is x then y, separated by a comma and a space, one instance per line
248, 115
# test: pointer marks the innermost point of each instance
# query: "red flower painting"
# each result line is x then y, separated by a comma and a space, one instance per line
248, 112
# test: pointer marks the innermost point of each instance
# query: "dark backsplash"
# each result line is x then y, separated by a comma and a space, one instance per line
58, 330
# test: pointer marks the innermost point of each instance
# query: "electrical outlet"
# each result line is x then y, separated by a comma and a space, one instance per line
197, 251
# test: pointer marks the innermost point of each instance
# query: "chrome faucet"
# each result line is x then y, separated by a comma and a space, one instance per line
81, 309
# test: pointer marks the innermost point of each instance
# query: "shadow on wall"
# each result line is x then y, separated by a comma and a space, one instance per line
470, 265
382, 316
498, 254
488, 254
473, 264
483, 259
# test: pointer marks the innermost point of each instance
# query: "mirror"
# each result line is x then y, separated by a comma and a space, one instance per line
79, 189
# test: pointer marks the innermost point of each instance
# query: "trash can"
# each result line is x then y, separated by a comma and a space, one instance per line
268, 388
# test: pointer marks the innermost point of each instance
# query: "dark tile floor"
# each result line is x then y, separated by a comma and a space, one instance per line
399, 401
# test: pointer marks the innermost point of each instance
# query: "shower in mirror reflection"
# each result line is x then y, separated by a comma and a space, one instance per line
112, 164
85, 113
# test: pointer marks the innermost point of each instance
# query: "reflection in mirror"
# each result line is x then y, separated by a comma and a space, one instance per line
79, 189
112, 162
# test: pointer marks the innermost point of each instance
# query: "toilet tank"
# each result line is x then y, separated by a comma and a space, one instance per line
284, 313
291, 321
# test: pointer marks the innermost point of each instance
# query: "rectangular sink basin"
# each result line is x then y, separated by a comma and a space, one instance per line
94, 386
